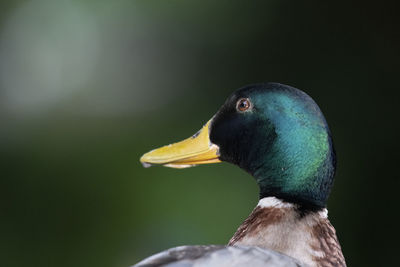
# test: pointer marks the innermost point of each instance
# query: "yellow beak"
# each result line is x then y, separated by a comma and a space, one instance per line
194, 150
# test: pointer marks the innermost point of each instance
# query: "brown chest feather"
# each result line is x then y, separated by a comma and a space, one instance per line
309, 238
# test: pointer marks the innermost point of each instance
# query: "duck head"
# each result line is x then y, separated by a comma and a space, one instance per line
275, 132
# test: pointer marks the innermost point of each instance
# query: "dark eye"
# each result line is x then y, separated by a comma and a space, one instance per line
243, 104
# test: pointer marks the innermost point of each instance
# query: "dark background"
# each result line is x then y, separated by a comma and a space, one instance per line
86, 87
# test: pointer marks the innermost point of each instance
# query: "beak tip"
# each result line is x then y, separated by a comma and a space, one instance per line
145, 164
144, 161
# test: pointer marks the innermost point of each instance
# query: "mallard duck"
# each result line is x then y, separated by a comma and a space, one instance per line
279, 135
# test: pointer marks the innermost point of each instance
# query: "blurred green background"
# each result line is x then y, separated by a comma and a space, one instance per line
86, 87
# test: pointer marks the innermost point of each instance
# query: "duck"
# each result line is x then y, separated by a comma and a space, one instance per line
277, 134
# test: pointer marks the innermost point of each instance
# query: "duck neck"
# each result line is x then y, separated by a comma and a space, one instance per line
298, 172
281, 226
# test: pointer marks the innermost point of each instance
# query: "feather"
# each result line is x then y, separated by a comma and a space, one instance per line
216, 256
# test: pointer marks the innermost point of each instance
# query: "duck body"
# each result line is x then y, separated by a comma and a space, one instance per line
217, 256
279, 135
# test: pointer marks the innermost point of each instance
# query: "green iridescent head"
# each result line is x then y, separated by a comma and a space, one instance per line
279, 135
275, 132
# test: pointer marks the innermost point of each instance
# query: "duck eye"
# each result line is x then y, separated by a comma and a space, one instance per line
243, 104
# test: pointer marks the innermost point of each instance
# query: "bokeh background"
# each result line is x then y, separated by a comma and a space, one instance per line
86, 87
